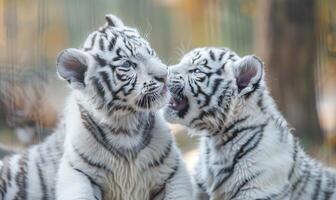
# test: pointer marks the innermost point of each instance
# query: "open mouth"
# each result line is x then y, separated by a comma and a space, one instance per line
179, 103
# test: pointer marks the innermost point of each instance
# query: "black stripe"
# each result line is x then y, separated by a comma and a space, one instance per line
21, 178
236, 131
99, 88
201, 117
329, 189
201, 186
243, 150
294, 155
102, 30
206, 65
88, 161
93, 38
116, 108
117, 131
172, 174
92, 181
234, 124
255, 87
195, 58
98, 134
42, 182
166, 152
244, 183
298, 181
119, 57
225, 95
112, 43
101, 62
106, 79
260, 103
221, 56
109, 21
158, 192
214, 89
212, 55
317, 185
302, 189
232, 57
101, 44
5, 172
147, 135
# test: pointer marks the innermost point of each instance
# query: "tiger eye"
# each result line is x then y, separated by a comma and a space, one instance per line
126, 64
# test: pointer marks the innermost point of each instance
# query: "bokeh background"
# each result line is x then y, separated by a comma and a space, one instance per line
296, 40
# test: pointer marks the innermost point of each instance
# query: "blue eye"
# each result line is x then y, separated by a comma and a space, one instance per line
196, 71
127, 64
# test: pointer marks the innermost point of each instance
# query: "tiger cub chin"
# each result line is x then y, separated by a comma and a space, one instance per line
113, 144
247, 150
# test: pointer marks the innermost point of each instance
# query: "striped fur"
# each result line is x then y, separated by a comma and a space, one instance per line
117, 146
247, 150
113, 144
31, 175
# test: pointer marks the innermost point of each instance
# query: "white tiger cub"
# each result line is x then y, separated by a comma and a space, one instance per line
247, 150
113, 144
117, 146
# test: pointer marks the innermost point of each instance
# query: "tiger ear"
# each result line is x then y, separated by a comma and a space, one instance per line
113, 21
248, 73
71, 66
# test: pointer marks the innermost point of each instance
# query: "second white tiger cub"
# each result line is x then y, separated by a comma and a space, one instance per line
117, 146
247, 150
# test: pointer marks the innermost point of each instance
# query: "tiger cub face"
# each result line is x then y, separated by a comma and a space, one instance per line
116, 70
208, 85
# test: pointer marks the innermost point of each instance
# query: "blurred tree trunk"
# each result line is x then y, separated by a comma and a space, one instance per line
290, 50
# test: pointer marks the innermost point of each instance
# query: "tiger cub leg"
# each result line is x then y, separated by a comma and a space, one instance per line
178, 187
73, 184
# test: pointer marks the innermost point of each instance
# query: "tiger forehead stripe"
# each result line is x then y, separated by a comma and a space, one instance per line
195, 57
212, 55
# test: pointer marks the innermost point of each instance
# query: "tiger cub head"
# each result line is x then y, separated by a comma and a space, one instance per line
116, 70
209, 85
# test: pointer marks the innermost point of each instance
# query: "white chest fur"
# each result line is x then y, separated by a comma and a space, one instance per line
139, 165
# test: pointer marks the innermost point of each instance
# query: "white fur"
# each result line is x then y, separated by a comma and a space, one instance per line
121, 180
263, 160
89, 169
82, 167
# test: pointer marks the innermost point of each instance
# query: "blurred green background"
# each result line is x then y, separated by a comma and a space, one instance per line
296, 40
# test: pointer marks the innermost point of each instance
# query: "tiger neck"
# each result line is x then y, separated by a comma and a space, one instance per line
126, 124
247, 118
130, 123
